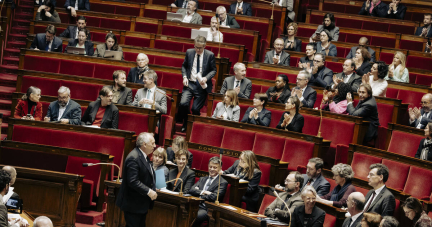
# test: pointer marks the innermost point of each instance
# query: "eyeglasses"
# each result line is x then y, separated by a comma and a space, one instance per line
199, 48
424, 102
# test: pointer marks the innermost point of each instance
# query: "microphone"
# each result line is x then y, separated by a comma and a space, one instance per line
168, 97
220, 163
286, 206
108, 164
319, 129
181, 186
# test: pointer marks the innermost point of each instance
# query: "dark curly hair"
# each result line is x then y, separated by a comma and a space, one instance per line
332, 19
343, 90
285, 79
50, 4
382, 69
5, 179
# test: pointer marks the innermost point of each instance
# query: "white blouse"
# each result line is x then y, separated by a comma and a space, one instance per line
379, 87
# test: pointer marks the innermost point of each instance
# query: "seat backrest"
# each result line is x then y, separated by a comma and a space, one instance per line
269, 145
329, 221
337, 131
404, 143
267, 200
275, 117
399, 174
35, 160
412, 98
74, 165
419, 183
385, 113
361, 163
128, 121
238, 139
311, 124
265, 173
292, 150
206, 134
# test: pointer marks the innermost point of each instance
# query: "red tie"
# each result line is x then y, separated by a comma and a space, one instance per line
367, 207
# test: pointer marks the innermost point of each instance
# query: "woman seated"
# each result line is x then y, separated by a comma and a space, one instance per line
361, 60
159, 161
336, 102
29, 107
281, 91
179, 143
258, 115
82, 42
397, 70
376, 79
342, 174
291, 120
328, 25
110, 44
424, 151
396, 10
291, 42
46, 12
413, 210
183, 172
229, 108
324, 46
308, 214
371, 219
246, 168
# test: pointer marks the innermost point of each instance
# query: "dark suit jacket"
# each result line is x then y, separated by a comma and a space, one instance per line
354, 81
41, 3
82, 4
378, 11
138, 178
332, 50
322, 78
419, 151
369, 111
400, 12
89, 47
364, 68
188, 177
21, 110
72, 112
3, 216
253, 190
284, 58
309, 97
283, 97
316, 219
213, 188
298, 44
109, 120
208, 67
306, 60
245, 86
231, 22
296, 124
321, 185
171, 156
419, 31
125, 95
264, 117
179, 3
133, 76
39, 42
357, 222
70, 32
282, 214
384, 203
247, 9
424, 121
351, 54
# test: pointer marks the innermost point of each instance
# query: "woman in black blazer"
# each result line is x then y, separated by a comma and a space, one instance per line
281, 91
246, 168
309, 213
291, 42
424, 151
183, 172
291, 120
361, 60
258, 115
82, 42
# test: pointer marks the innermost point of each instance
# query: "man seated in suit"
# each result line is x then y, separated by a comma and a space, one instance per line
355, 206
71, 32
389, 221
379, 200
291, 196
226, 20
304, 93
213, 35
420, 117
74, 5
189, 14
122, 95
311, 50
348, 76
363, 42
241, 8
239, 82
198, 69
426, 30
290, 13
277, 56
11, 194
102, 112
150, 94
366, 108
64, 110
375, 8
136, 74
396, 10
42, 221
206, 188
321, 75
314, 178
47, 41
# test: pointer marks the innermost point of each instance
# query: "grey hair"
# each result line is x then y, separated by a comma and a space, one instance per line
143, 55
64, 89
390, 221
213, 18
308, 188
201, 40
280, 39
143, 137
215, 160
42, 218
237, 66
343, 170
221, 8
151, 74
306, 74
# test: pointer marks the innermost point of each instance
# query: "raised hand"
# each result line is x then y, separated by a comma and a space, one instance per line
349, 97
411, 114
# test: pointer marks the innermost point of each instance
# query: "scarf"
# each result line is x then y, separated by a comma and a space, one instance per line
427, 144
373, 6
338, 192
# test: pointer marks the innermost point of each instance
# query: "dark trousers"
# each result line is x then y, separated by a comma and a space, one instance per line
135, 220
194, 90
201, 217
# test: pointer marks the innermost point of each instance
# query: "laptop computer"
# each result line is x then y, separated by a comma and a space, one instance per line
174, 17
116, 55
75, 50
195, 33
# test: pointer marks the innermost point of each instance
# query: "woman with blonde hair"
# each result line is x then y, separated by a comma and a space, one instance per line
229, 108
397, 70
179, 143
291, 42
246, 168
159, 161
371, 219
182, 172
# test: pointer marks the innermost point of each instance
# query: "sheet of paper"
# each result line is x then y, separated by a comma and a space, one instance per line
229, 207
169, 191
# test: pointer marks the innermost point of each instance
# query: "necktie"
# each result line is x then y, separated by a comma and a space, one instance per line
148, 97
367, 207
47, 46
198, 64
237, 83
286, 201
184, 4
208, 184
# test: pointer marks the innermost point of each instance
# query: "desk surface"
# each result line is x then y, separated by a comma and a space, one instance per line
27, 217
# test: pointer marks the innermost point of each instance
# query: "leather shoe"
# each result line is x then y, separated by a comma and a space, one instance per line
100, 223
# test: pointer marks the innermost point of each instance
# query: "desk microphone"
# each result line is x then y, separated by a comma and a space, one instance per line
168, 97
181, 186
220, 163
108, 164
286, 206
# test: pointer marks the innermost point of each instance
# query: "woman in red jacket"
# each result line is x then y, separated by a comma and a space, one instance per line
29, 107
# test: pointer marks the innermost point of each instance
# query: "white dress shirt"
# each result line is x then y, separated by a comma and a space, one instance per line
76, 6
235, 82
379, 87
277, 56
377, 192
61, 111
207, 181
194, 74
239, 5
210, 36
188, 18
354, 218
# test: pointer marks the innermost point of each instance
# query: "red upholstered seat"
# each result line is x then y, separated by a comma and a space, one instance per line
257, 26
105, 72
294, 147
47, 86
423, 79
334, 66
305, 32
404, 143
419, 183
337, 131
392, 93
419, 62
318, 101
74, 165
137, 41
261, 74
83, 91
399, 173
177, 31
265, 173
103, 8
168, 45
133, 122
255, 89
276, 116
172, 80
383, 41
34, 63
206, 134
411, 97
96, 36
361, 163
411, 45
167, 61
227, 161
232, 54
115, 24
166, 125
267, 200
329, 221
243, 109
348, 23
311, 124
157, 14
238, 139
124, 10
246, 40
36, 160
197, 158
146, 27
332, 183
386, 57
269, 145
76, 68
385, 113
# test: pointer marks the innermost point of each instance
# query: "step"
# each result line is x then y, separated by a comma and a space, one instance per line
89, 217
4, 128
5, 104
26, 3
9, 69
11, 52
23, 16
16, 45
7, 80
24, 10
20, 23
6, 93
6, 114
20, 30
11, 61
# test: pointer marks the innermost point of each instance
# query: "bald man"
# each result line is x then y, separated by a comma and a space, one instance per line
420, 117
42, 221
11, 194
355, 204
363, 42
277, 56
